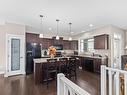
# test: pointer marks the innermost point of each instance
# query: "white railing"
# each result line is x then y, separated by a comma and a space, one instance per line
67, 87
113, 81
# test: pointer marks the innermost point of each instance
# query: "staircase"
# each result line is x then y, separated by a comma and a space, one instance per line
67, 87
113, 81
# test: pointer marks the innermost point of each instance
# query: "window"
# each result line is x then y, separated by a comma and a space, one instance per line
87, 45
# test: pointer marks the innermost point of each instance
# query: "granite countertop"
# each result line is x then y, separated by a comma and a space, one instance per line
89, 56
43, 60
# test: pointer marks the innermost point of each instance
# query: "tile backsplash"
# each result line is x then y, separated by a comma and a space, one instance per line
102, 52
66, 52
97, 52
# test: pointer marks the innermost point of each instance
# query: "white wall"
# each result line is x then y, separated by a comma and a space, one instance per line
110, 30
8, 28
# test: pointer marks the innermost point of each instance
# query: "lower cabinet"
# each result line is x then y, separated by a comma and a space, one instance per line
81, 62
97, 65
91, 64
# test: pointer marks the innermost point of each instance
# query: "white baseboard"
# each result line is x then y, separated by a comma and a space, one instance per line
1, 70
24, 73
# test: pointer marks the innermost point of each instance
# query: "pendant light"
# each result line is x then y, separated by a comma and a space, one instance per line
70, 38
41, 35
57, 36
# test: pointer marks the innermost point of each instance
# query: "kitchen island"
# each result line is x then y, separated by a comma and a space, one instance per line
39, 69
89, 63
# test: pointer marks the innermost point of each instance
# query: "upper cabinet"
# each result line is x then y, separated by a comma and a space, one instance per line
47, 42
74, 45
66, 45
32, 38
56, 42
101, 41
70, 45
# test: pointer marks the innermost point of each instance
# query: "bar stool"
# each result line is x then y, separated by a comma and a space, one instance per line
63, 66
51, 68
72, 68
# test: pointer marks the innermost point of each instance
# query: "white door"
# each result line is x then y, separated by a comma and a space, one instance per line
15, 55
117, 53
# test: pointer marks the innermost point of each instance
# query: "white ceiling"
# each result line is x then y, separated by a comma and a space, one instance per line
80, 12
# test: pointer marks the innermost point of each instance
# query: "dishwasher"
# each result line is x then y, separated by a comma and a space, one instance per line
89, 66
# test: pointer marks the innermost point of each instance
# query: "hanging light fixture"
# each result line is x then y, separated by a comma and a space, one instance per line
41, 35
57, 36
70, 38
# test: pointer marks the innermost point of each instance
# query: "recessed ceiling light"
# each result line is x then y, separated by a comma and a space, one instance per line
50, 28
82, 31
91, 25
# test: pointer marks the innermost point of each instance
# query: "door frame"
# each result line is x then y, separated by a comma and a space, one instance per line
7, 54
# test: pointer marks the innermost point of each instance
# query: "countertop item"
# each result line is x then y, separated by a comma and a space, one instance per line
45, 53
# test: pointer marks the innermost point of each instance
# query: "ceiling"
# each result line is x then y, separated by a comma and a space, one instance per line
80, 12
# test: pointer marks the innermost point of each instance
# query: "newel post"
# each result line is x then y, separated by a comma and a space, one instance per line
103, 80
59, 84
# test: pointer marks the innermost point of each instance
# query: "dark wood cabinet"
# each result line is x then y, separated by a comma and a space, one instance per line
91, 64
97, 65
66, 44
32, 38
47, 42
38, 73
101, 41
74, 45
56, 42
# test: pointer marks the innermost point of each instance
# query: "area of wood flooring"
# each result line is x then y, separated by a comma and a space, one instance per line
24, 85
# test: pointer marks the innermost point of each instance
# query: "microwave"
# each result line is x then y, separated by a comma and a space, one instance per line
58, 47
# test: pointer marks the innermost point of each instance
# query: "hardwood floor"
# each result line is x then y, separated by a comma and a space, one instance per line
24, 85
